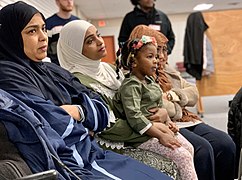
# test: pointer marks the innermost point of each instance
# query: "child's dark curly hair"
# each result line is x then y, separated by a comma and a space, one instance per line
125, 56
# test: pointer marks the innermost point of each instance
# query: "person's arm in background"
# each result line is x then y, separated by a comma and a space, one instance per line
161, 115
174, 110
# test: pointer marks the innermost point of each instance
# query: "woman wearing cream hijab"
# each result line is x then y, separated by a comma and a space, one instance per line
80, 49
70, 53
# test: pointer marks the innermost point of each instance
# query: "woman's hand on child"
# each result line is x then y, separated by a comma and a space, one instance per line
172, 126
165, 136
159, 115
163, 128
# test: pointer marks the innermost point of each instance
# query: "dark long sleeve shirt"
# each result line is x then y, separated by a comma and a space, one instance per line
154, 17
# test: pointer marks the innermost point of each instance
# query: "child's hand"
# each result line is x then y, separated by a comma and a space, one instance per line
172, 126
165, 136
163, 128
159, 115
169, 141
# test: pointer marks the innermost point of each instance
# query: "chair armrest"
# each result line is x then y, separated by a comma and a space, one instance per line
45, 175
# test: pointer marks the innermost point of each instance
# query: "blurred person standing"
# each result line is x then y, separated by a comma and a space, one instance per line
55, 23
145, 13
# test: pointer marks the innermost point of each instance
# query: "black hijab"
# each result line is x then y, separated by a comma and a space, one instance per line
17, 71
13, 19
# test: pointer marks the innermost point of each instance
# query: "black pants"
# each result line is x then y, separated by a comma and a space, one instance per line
215, 151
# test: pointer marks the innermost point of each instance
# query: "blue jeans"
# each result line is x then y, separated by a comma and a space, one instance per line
214, 155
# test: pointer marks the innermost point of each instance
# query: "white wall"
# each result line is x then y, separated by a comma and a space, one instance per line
178, 24
113, 25
47, 8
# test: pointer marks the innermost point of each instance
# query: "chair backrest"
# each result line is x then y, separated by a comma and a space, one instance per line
12, 165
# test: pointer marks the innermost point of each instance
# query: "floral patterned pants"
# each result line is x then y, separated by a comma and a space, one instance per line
182, 156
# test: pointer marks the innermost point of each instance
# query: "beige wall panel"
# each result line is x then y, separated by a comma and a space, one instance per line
225, 33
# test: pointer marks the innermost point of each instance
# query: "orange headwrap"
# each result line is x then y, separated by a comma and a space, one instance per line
161, 77
141, 30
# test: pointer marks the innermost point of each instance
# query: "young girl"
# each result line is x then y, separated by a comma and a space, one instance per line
137, 94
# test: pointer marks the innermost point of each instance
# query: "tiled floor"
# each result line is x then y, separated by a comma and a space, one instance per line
216, 110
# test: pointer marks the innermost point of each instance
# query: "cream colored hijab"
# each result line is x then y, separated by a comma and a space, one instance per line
69, 51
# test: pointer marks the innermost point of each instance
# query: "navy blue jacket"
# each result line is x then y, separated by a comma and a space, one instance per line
36, 140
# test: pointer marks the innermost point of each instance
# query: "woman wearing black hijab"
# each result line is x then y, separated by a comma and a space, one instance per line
53, 92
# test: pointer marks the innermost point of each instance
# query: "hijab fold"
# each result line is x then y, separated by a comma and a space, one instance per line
69, 50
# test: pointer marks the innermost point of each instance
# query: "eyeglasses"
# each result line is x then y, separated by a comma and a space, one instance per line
163, 50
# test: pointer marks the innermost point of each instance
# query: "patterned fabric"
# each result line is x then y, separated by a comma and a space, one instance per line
182, 156
154, 160
149, 158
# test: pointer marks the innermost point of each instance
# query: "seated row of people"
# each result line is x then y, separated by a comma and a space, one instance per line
135, 97
81, 59
66, 114
67, 117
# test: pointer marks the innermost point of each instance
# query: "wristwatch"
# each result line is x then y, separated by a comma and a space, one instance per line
169, 96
